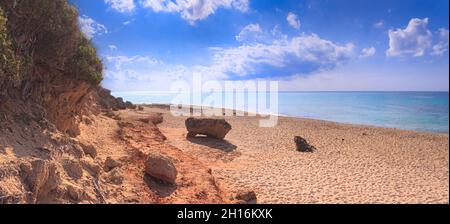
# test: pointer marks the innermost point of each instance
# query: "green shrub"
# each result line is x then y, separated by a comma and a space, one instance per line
45, 33
86, 63
9, 64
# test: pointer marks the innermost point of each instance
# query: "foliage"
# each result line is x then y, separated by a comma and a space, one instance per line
46, 34
86, 64
9, 65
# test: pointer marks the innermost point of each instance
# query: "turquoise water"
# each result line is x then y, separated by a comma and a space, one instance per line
421, 111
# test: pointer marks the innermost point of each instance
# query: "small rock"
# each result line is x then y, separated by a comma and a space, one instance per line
75, 193
302, 145
77, 151
115, 177
87, 121
73, 169
110, 113
130, 105
110, 164
161, 167
90, 166
154, 119
249, 197
89, 150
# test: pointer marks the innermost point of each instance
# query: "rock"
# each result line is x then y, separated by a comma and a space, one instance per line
246, 197
93, 168
41, 178
302, 145
73, 169
154, 119
75, 193
120, 104
130, 105
89, 150
216, 128
77, 151
87, 121
115, 176
161, 167
110, 164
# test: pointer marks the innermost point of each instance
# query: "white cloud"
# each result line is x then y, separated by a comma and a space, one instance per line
368, 52
378, 78
121, 5
112, 47
277, 56
379, 24
128, 22
442, 46
293, 20
90, 27
194, 10
411, 41
307, 52
145, 72
250, 32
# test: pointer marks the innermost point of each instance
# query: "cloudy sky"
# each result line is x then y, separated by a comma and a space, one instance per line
323, 45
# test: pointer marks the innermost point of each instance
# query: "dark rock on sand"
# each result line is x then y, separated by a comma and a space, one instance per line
216, 128
89, 150
111, 163
246, 197
303, 145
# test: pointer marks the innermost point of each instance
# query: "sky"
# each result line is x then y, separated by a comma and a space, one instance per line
305, 45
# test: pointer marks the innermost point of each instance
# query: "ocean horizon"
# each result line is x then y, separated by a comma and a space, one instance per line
408, 110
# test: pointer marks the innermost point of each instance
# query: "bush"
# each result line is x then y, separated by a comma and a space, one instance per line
86, 64
45, 34
9, 64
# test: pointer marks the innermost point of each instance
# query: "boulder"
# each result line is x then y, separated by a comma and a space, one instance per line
161, 167
215, 128
303, 145
41, 178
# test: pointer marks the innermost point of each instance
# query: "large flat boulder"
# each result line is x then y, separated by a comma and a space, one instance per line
215, 128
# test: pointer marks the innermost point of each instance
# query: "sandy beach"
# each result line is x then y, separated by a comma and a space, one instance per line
352, 163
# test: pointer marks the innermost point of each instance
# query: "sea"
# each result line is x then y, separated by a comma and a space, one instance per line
419, 111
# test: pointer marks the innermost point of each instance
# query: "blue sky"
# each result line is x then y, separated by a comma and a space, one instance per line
324, 45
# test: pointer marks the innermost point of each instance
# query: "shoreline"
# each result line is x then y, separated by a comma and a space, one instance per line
306, 118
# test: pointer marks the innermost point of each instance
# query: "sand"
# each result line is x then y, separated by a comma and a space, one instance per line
352, 163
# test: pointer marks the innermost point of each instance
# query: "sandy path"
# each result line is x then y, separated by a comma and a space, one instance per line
352, 164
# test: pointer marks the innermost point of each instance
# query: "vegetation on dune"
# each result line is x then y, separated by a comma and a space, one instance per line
9, 65
86, 64
45, 34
